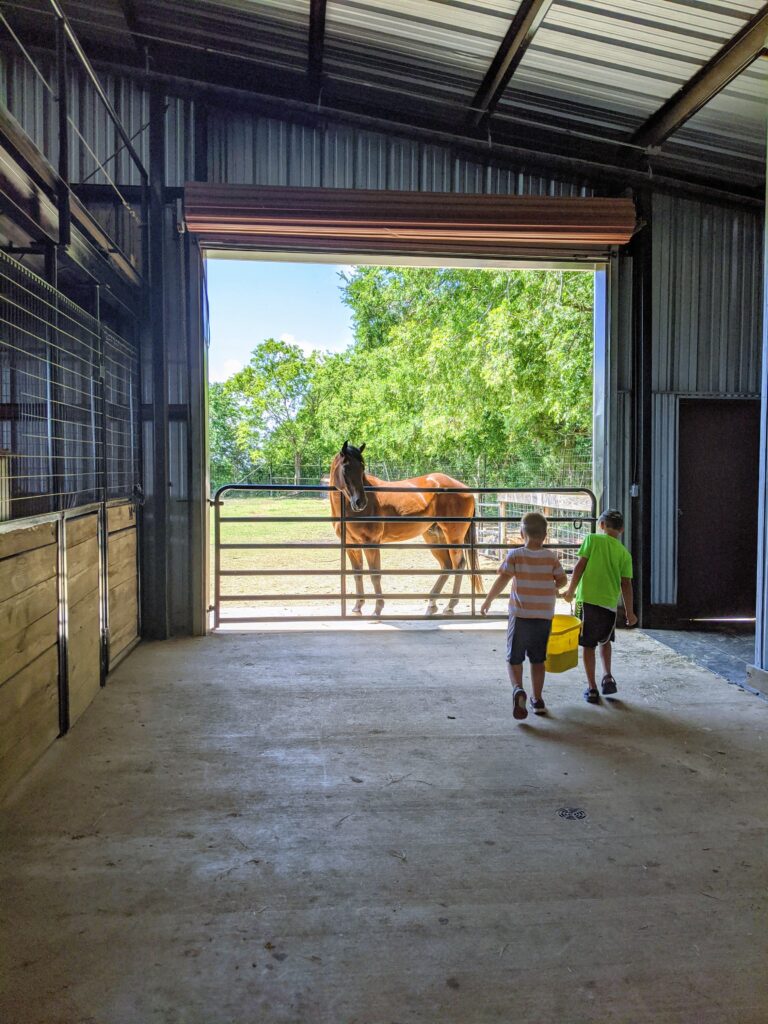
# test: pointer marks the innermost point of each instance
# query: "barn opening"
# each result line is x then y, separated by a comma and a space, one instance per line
484, 374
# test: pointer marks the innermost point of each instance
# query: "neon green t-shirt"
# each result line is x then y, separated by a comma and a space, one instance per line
608, 562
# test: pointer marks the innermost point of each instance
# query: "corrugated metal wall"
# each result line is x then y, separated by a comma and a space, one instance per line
246, 149
707, 296
264, 151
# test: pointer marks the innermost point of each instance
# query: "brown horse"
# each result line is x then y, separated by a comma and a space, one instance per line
349, 478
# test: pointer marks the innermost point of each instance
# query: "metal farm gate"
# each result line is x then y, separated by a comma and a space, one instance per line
570, 511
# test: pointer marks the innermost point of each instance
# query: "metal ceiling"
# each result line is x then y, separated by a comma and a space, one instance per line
592, 73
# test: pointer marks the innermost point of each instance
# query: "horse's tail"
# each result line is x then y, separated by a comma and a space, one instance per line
474, 565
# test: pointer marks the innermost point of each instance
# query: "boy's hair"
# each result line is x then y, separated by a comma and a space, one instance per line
535, 525
612, 518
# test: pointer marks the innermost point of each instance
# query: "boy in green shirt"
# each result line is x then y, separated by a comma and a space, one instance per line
604, 570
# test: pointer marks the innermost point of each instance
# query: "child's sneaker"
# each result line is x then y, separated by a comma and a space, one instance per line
591, 696
538, 707
608, 685
519, 697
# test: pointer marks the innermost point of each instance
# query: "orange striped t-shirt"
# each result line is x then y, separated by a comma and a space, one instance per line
533, 587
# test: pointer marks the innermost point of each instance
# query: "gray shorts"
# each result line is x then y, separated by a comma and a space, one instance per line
527, 637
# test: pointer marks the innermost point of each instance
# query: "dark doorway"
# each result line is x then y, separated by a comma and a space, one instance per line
717, 508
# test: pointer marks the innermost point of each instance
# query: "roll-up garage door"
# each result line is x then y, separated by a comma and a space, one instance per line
341, 221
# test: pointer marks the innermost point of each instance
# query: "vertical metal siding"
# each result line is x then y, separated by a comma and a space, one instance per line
706, 284
265, 151
664, 500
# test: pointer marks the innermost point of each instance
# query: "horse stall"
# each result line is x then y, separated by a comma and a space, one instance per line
330, 817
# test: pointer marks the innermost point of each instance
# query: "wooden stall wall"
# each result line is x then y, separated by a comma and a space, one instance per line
29, 661
83, 604
35, 595
122, 576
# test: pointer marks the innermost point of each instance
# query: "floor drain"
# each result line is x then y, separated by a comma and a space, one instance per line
572, 813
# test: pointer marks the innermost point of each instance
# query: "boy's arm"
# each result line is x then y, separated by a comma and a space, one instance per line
578, 572
502, 579
627, 595
561, 580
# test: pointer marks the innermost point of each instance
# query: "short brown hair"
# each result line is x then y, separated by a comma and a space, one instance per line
534, 524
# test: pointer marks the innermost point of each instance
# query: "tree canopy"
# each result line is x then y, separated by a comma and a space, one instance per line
447, 366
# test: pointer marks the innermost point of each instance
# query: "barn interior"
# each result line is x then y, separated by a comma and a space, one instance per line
341, 822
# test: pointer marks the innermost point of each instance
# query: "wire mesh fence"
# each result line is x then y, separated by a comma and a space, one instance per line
68, 401
529, 466
121, 398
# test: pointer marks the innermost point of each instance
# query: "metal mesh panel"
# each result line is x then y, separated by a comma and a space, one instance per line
52, 412
121, 414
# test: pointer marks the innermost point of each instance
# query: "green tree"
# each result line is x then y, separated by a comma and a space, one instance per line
275, 391
233, 437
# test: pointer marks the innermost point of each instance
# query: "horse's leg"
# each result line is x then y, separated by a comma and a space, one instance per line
456, 560
441, 555
356, 561
373, 557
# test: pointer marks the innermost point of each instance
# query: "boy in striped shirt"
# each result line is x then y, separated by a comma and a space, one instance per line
536, 575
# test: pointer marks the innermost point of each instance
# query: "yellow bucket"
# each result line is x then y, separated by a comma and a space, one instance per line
563, 646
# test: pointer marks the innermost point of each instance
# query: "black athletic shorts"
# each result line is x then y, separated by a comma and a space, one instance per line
527, 636
598, 625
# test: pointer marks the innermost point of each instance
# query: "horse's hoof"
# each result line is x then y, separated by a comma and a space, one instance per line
357, 611
430, 610
378, 610
447, 611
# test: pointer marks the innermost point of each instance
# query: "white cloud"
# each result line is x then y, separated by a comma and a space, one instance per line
225, 370
305, 346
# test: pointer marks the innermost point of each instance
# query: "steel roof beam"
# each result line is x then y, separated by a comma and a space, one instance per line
316, 44
738, 53
519, 37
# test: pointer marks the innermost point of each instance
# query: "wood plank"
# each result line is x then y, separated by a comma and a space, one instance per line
24, 754
15, 692
80, 556
86, 617
30, 700
84, 669
84, 584
27, 607
119, 641
121, 517
24, 571
123, 574
81, 529
124, 614
126, 591
85, 655
28, 644
121, 650
121, 546
29, 538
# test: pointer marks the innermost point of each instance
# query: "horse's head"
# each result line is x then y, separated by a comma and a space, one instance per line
349, 476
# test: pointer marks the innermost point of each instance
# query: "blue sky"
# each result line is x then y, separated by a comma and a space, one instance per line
251, 300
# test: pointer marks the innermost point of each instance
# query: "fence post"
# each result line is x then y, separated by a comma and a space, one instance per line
216, 562
472, 557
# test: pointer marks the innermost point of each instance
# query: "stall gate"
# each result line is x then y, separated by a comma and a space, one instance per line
256, 549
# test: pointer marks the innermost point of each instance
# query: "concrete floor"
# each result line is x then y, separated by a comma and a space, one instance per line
349, 828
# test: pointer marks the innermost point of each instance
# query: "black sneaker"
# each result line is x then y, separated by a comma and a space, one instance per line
608, 685
519, 697
538, 707
591, 696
